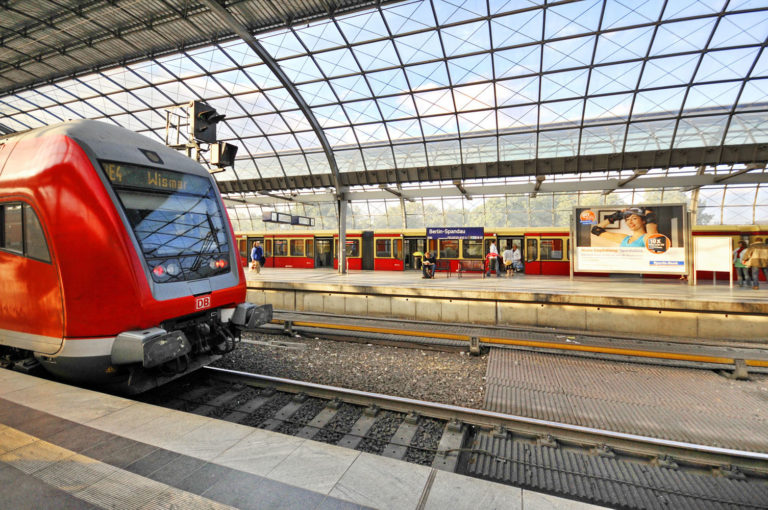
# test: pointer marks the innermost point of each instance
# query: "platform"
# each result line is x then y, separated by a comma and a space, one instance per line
651, 307
66, 447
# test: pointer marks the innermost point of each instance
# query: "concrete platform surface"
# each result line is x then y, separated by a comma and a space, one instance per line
618, 291
626, 305
66, 447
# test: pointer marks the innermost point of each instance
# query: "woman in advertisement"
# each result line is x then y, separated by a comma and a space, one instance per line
642, 222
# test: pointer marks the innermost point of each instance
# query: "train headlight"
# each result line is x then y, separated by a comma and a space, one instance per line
173, 269
159, 271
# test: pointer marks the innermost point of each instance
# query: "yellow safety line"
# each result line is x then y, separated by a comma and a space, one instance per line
531, 343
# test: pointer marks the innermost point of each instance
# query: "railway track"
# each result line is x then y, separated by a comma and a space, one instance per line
591, 465
736, 356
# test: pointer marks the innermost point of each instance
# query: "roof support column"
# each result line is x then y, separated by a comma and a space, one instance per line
238, 28
342, 253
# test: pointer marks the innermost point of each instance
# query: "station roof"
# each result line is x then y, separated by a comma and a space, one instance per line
414, 100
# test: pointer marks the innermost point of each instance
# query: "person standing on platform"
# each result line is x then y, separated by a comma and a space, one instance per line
756, 258
742, 271
257, 256
493, 260
509, 257
428, 265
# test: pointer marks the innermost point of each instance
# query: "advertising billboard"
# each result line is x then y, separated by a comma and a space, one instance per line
630, 239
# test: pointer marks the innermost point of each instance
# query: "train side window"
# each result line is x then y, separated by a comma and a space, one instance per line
12, 231
310, 248
472, 249
551, 249
268, 247
34, 240
353, 247
383, 248
297, 247
281, 247
531, 250
398, 249
448, 248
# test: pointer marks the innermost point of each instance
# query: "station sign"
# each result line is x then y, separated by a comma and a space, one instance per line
455, 232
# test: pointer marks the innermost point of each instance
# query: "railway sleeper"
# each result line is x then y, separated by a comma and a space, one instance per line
360, 428
320, 421
398, 445
285, 413
448, 450
239, 414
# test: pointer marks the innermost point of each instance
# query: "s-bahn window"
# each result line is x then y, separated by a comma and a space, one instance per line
177, 219
531, 250
448, 248
281, 247
297, 247
551, 249
383, 248
353, 247
310, 248
34, 239
13, 239
472, 249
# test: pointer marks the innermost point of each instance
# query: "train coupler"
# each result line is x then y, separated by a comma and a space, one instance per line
248, 316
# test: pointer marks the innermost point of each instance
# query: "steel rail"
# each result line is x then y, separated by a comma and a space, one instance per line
566, 433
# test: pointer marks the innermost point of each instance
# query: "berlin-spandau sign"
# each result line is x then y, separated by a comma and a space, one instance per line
455, 232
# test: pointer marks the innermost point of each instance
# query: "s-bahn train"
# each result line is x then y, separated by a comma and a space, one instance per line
117, 259
544, 250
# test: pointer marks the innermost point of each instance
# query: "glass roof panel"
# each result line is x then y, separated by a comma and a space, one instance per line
450, 82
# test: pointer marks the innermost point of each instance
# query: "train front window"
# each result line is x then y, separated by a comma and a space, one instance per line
177, 221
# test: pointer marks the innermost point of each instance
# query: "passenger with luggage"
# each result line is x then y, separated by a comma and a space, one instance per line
756, 258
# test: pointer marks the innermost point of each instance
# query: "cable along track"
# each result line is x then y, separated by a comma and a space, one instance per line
591, 465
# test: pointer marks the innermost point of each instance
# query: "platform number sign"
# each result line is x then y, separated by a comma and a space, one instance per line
202, 302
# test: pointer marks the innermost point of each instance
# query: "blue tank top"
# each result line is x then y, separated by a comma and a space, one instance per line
637, 243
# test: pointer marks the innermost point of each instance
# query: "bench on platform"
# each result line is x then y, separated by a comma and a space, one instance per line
443, 265
471, 266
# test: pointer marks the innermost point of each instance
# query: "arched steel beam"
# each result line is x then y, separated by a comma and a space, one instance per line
240, 29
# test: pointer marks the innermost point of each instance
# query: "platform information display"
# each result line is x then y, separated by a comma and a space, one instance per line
639, 238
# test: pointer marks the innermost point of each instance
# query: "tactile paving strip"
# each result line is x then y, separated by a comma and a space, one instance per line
689, 405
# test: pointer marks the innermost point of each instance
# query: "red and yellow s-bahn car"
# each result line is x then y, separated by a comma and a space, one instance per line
544, 250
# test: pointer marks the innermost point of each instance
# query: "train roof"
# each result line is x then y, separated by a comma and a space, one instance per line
104, 141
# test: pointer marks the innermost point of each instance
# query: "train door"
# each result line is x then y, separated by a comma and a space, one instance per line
367, 250
249, 246
507, 242
324, 252
414, 249
531, 255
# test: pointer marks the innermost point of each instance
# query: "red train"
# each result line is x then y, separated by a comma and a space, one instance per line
545, 250
116, 258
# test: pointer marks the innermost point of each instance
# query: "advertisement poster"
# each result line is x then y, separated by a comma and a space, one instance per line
630, 239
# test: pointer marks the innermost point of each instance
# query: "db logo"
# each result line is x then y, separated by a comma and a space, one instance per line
587, 216
202, 302
657, 243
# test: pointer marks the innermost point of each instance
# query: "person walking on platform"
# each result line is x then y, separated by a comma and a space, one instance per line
742, 271
493, 260
257, 257
428, 265
756, 258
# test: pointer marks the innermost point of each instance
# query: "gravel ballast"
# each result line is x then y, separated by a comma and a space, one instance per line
454, 378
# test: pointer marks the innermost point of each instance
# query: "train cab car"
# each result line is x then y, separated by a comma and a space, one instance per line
117, 258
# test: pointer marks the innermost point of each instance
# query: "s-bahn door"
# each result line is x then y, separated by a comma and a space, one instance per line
507, 242
414, 250
367, 262
531, 255
324, 252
